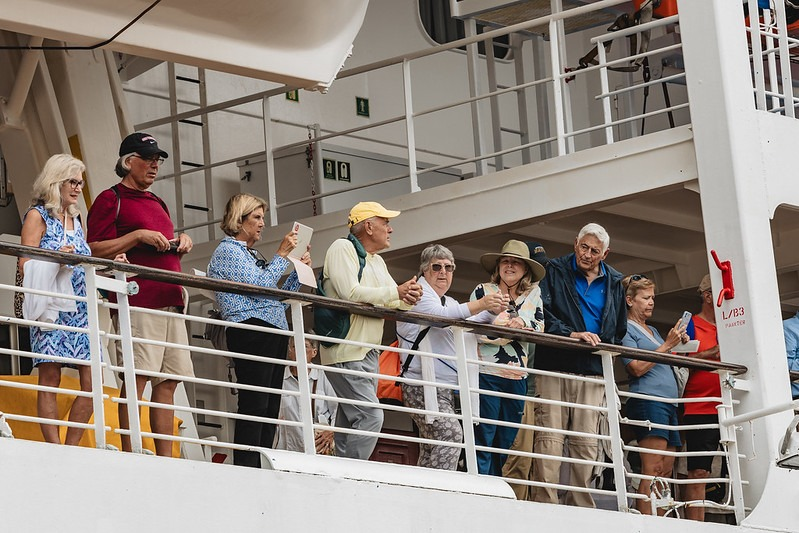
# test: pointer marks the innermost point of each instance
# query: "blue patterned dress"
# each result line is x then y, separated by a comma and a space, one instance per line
55, 341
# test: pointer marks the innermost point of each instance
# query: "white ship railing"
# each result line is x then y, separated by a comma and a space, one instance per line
619, 497
606, 108
772, 48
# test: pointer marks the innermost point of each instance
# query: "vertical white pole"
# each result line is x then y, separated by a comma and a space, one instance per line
129, 369
729, 439
410, 134
269, 162
466, 397
95, 349
603, 79
615, 432
302, 378
472, 58
757, 54
557, 88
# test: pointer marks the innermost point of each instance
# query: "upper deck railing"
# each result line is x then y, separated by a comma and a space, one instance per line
208, 386
506, 120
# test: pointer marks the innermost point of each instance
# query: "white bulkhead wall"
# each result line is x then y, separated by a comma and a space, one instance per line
729, 138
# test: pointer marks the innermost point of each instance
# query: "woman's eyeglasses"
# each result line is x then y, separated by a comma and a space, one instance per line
438, 266
260, 260
637, 277
75, 184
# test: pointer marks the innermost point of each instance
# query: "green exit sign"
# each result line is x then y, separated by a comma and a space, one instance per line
294, 95
362, 106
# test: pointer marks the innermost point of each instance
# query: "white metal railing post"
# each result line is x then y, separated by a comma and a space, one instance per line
785, 61
605, 87
176, 155
615, 431
466, 398
568, 124
730, 442
318, 168
409, 126
472, 59
757, 58
95, 349
129, 369
269, 162
557, 88
302, 378
773, 80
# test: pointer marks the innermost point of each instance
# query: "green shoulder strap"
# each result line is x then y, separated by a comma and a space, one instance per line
359, 251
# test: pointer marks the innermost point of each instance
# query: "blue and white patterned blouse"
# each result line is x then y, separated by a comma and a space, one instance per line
232, 261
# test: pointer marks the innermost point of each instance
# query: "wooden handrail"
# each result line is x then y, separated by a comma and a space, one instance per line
202, 282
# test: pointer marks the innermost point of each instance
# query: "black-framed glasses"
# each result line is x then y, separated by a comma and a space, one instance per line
637, 277
260, 260
153, 159
75, 184
438, 266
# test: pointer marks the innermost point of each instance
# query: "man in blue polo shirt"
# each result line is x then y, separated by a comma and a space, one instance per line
583, 299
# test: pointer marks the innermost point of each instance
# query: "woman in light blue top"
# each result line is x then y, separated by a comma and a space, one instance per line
654, 379
235, 259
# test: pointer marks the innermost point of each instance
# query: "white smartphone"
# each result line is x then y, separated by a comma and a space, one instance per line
304, 234
686, 316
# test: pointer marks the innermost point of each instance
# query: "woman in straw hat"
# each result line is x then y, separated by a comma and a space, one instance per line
516, 275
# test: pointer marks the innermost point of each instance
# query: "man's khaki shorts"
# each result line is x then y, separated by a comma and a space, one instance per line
158, 358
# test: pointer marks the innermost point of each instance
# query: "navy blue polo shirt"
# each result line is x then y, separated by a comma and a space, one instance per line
591, 297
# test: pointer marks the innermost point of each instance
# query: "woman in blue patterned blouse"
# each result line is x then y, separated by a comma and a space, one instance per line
235, 259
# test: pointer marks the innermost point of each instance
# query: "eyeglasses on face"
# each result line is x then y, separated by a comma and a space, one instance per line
260, 260
152, 159
438, 266
75, 184
637, 277
585, 249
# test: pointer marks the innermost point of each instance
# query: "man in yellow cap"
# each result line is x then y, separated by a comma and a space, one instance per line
370, 232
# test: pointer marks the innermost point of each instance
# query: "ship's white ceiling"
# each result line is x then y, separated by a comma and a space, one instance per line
301, 43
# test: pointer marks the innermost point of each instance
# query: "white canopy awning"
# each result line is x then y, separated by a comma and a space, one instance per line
301, 43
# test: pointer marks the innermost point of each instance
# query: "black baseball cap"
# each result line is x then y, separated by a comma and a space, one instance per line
143, 144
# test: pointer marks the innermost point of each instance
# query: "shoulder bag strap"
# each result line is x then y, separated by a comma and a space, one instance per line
419, 338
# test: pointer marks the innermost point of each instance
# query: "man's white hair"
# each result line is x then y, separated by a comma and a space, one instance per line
592, 228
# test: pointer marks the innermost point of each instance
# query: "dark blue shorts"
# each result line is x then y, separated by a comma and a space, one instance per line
657, 413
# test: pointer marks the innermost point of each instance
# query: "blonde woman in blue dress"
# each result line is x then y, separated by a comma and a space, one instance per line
53, 223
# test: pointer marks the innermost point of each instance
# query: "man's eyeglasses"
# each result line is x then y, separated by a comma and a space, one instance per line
75, 184
154, 159
260, 260
438, 266
584, 248
637, 277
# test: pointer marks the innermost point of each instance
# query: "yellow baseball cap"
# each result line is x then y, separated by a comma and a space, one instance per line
364, 210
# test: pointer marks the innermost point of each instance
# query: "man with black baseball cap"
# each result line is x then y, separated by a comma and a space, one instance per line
142, 144
128, 218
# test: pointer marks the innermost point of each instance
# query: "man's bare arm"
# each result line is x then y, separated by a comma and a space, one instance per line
113, 247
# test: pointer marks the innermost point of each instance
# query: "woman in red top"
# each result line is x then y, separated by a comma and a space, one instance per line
702, 383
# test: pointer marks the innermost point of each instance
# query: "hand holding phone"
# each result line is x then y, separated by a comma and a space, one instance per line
686, 317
